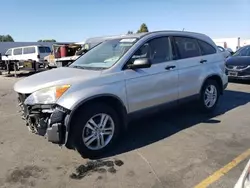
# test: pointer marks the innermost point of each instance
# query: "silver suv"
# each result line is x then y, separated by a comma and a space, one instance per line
88, 104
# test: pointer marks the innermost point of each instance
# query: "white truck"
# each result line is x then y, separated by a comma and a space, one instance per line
26, 57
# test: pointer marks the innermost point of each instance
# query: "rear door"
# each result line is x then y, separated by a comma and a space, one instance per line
190, 65
196, 61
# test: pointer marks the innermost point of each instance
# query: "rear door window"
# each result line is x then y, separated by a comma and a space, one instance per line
29, 50
187, 47
17, 51
206, 49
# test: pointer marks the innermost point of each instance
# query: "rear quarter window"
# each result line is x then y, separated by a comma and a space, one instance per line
206, 49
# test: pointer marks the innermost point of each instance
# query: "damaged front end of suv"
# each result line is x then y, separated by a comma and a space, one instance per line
42, 115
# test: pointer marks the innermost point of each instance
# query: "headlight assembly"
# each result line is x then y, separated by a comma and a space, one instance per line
46, 95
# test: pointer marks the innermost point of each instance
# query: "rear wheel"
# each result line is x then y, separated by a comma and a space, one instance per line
95, 130
209, 96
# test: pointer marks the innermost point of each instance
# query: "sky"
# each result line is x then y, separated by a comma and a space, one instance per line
77, 20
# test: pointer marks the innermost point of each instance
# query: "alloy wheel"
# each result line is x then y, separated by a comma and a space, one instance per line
98, 131
210, 96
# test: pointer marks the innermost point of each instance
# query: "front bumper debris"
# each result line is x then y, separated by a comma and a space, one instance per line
45, 120
53, 134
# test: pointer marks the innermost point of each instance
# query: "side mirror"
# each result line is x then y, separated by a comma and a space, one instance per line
140, 63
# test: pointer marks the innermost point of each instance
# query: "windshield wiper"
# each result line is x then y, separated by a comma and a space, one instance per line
78, 67
95, 68
89, 68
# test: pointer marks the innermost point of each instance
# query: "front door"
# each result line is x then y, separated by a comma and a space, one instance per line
149, 87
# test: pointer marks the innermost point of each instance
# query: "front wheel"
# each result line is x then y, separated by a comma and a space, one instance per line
209, 96
95, 130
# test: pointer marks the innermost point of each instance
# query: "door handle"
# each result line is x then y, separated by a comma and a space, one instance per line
203, 61
170, 67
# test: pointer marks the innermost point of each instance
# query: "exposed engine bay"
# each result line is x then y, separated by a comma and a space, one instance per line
44, 119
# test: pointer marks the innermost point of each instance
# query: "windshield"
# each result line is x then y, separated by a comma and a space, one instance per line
105, 54
244, 51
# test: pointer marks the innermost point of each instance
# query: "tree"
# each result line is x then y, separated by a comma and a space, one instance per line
143, 28
6, 38
130, 32
47, 40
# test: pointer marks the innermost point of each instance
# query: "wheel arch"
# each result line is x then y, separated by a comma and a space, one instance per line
216, 78
109, 99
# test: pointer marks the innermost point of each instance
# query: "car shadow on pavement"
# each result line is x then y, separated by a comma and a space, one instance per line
148, 130
239, 81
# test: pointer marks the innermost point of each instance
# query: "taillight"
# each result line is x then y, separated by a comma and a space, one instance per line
38, 56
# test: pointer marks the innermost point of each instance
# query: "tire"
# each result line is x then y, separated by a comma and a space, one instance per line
81, 129
210, 106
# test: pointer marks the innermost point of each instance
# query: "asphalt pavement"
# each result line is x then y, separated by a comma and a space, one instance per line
175, 148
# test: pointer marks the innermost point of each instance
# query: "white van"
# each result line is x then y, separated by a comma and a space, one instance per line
27, 57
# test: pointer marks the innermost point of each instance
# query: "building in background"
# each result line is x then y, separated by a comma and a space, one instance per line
233, 43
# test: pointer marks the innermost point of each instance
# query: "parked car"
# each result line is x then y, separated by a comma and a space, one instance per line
238, 65
27, 57
230, 50
244, 180
225, 52
87, 105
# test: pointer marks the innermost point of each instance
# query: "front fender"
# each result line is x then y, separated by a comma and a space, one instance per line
75, 96
73, 100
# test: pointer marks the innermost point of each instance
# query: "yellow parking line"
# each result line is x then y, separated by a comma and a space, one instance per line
221, 172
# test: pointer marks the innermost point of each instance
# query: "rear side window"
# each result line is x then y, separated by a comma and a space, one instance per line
187, 47
29, 50
17, 51
206, 49
44, 49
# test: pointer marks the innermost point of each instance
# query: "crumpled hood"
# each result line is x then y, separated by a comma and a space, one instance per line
58, 76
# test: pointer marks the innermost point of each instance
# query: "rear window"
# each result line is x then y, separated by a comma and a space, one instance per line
206, 49
29, 50
17, 51
44, 49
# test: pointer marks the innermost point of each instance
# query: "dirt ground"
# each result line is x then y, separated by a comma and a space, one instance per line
177, 148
